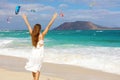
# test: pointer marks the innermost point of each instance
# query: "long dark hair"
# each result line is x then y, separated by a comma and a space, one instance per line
35, 34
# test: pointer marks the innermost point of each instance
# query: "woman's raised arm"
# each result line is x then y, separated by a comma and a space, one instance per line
27, 23
49, 25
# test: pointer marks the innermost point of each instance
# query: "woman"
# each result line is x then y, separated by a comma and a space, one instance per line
35, 59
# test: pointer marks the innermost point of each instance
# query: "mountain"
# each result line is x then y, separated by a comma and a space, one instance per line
82, 25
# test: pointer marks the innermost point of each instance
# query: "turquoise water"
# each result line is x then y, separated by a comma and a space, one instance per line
94, 49
107, 38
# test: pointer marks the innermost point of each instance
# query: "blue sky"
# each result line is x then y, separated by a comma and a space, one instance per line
101, 12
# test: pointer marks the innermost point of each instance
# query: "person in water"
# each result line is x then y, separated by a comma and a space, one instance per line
36, 57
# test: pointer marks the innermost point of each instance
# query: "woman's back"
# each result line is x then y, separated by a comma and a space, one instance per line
40, 43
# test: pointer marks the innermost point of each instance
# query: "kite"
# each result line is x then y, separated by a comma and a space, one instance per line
8, 19
17, 9
92, 4
32, 10
61, 14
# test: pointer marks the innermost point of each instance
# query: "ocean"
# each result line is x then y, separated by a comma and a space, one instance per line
94, 49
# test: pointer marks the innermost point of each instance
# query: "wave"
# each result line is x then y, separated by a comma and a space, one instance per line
100, 58
99, 31
79, 49
5, 31
5, 42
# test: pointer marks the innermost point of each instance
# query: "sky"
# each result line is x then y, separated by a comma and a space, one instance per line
101, 12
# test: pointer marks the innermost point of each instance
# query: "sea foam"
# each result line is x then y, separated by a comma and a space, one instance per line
106, 59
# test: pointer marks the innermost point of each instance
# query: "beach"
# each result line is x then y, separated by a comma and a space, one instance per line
80, 39
12, 68
69, 55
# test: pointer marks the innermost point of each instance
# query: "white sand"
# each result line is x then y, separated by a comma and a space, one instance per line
12, 68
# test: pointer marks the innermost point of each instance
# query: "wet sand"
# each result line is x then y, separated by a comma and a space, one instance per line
12, 68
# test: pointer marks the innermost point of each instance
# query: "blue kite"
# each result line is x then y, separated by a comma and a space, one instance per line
17, 9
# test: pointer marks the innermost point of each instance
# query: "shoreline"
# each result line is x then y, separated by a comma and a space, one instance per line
15, 65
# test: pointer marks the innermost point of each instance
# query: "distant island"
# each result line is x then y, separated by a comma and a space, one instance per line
83, 25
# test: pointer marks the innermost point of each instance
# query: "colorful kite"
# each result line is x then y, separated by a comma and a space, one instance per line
17, 9
92, 4
32, 10
8, 19
61, 14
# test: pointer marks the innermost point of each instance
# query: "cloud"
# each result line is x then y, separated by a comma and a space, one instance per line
6, 5
101, 16
37, 7
81, 14
9, 8
63, 5
99, 3
42, 14
101, 12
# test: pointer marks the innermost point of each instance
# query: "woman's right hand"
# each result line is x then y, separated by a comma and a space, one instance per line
24, 16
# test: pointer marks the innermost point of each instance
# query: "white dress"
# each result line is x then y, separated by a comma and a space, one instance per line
36, 58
